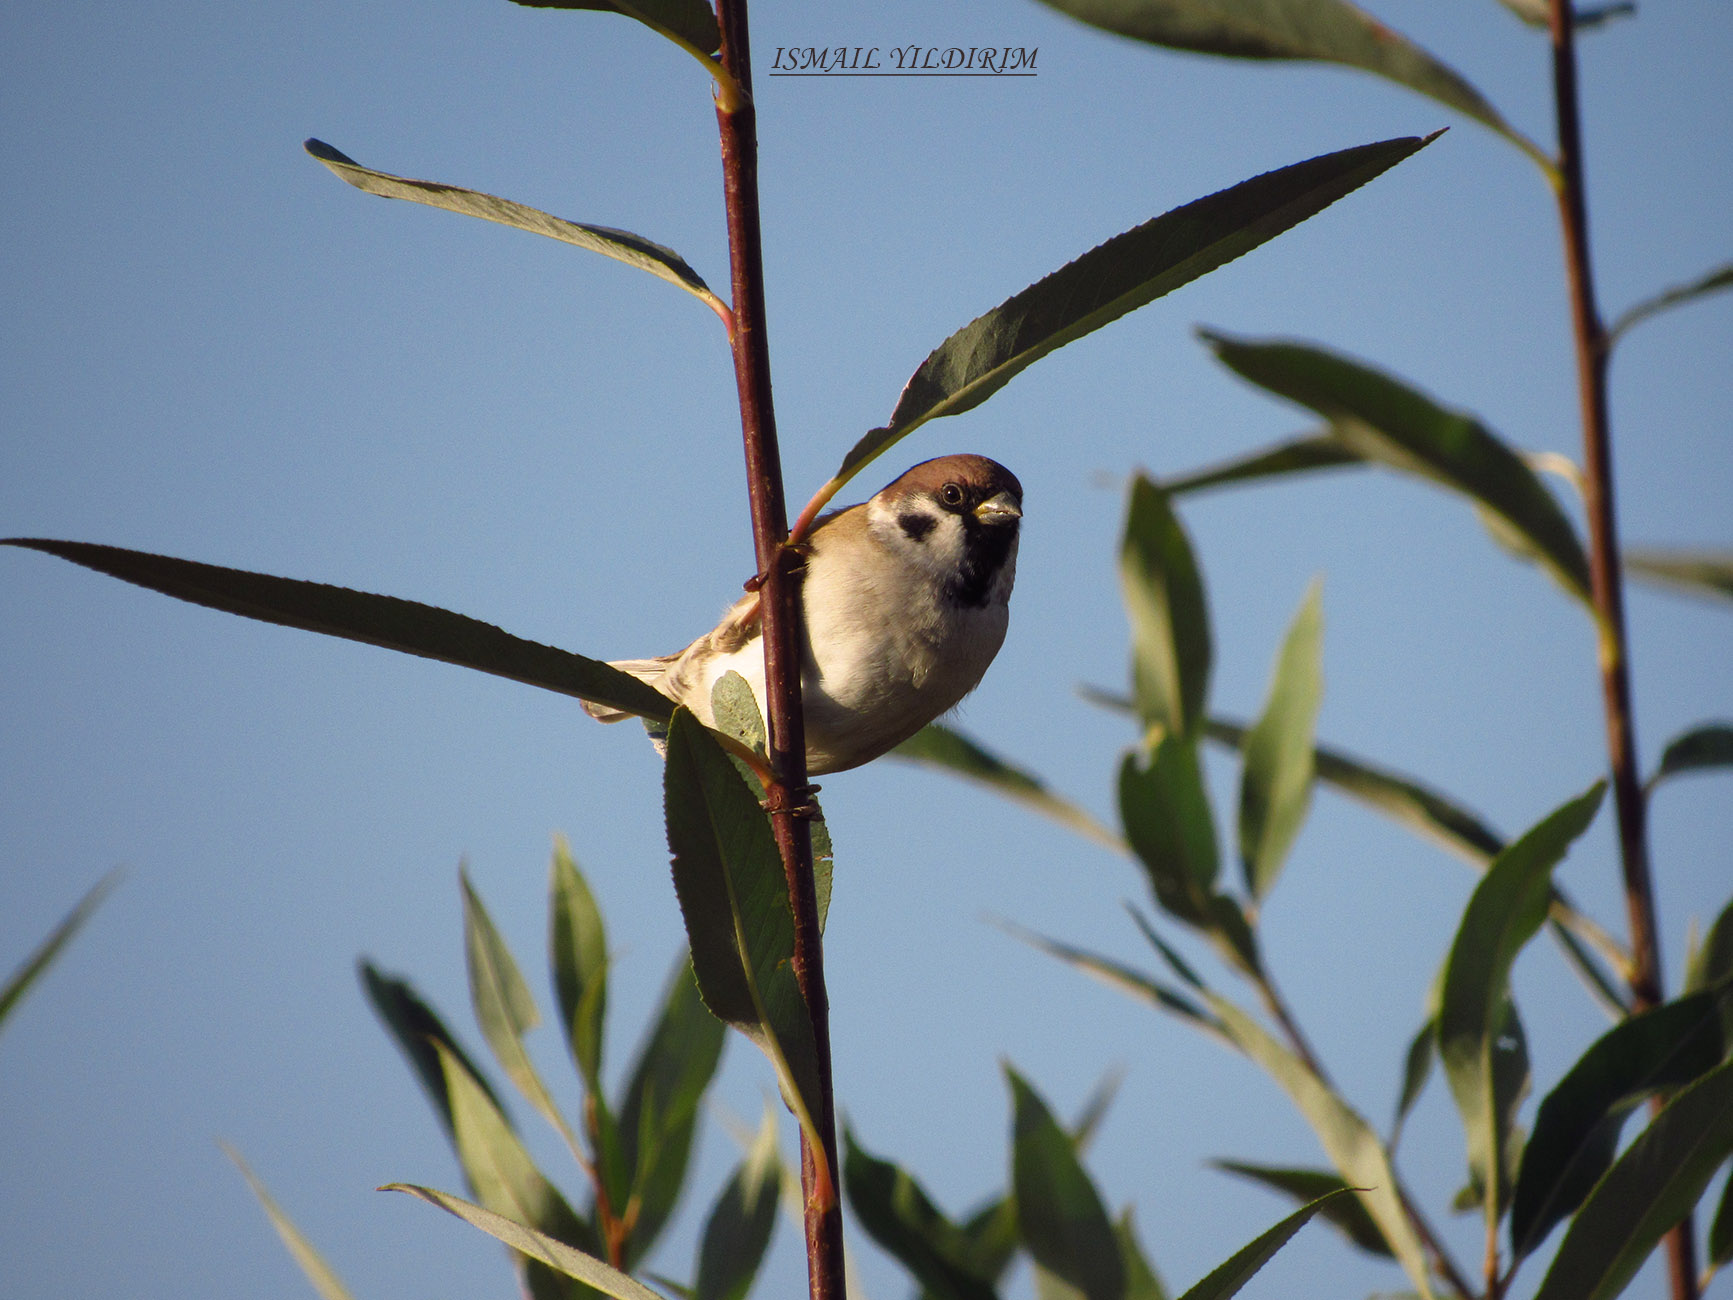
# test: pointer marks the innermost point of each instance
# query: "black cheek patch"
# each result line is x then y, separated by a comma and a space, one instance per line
916, 526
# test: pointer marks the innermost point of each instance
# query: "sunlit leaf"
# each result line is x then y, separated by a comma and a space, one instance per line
320, 1274
737, 1232
1713, 282
19, 981
693, 21
621, 245
1229, 1277
896, 1212
1298, 456
1169, 825
1344, 1213
1699, 573
1059, 1212
1276, 780
578, 942
1164, 600
387, 621
1710, 745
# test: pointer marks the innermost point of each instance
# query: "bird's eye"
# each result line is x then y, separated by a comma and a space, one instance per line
951, 494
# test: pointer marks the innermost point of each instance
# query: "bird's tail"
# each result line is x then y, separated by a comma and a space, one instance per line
648, 671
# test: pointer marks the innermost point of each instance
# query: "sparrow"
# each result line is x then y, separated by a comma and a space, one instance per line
906, 601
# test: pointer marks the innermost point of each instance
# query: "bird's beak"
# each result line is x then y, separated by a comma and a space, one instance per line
999, 509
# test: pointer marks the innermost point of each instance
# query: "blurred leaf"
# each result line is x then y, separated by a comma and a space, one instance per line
896, 1212
1701, 573
1416, 1070
1297, 456
1713, 961
621, 245
1114, 278
18, 983
1538, 13
1710, 745
1653, 1185
1168, 824
1124, 978
421, 1036
324, 1279
1713, 282
1576, 1131
537, 1245
1141, 1281
1503, 913
937, 745
578, 941
1229, 1277
1164, 600
692, 21
1388, 422
659, 1117
1721, 1229
375, 620
1096, 1106
1060, 1214
734, 898
1344, 1213
1276, 781
1327, 30
737, 1233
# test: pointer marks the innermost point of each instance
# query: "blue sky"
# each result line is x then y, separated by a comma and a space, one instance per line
217, 350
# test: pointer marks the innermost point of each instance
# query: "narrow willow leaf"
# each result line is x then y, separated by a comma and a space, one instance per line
1059, 1212
659, 1117
578, 942
621, 245
1710, 745
937, 745
1392, 424
1164, 600
1298, 456
1169, 825
1239, 1269
386, 621
537, 1245
1119, 276
1344, 1213
1141, 1280
1096, 1106
1276, 781
1653, 1185
1502, 915
1124, 978
1416, 1070
692, 21
734, 898
1700, 573
320, 1274
1576, 1130
1712, 963
422, 1037
737, 1232
19, 981
1713, 282
1332, 31
896, 1212
1721, 1229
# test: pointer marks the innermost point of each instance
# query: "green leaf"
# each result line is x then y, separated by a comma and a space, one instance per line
537, 1245
19, 981
1164, 599
578, 942
1503, 913
1119, 276
361, 616
895, 1211
421, 1036
1576, 1130
1388, 422
1713, 282
1712, 963
1721, 1229
323, 1278
734, 898
621, 245
1653, 1185
1416, 1069
1276, 782
1538, 13
692, 21
1059, 1213
735, 710
1298, 456
1141, 1281
659, 1117
937, 745
1328, 30
737, 1233
1710, 745
1170, 828
1239, 1269
1124, 978
1699, 573
1343, 1213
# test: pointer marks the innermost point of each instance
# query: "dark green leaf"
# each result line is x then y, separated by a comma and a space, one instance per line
1388, 422
1168, 824
1059, 1213
1239, 1269
1344, 1213
417, 1028
692, 21
1721, 1229
896, 1213
1096, 1106
1141, 1280
734, 898
1710, 745
940, 746
579, 944
1328, 30
1713, 961
1116, 277
1299, 456
1576, 1130
1276, 781
19, 982
1653, 1185
1699, 573
1416, 1069
1164, 599
375, 620
1503, 913
320, 1274
1720, 278
737, 1233
621, 245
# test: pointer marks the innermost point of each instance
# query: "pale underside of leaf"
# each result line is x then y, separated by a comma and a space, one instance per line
1698, 572
319, 1273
